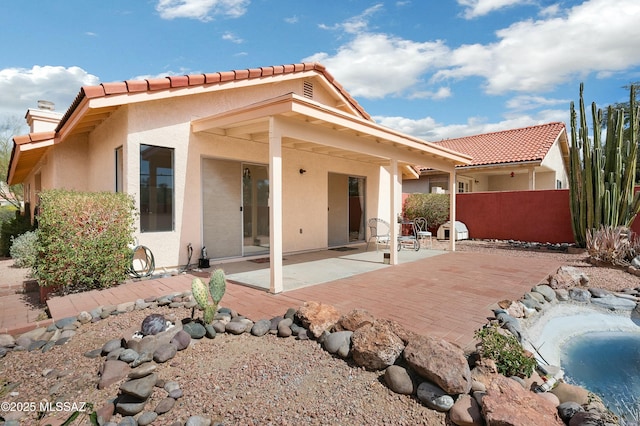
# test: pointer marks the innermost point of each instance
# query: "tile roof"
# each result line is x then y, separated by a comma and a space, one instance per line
173, 82
508, 146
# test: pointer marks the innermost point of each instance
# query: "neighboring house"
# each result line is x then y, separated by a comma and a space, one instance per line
253, 162
535, 157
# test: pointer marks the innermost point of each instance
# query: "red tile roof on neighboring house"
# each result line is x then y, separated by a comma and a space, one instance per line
173, 82
508, 146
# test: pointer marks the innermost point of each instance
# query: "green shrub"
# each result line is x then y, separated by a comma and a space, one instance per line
613, 245
24, 250
7, 213
83, 239
433, 207
12, 228
505, 350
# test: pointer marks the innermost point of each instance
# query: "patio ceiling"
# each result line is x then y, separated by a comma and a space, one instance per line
310, 126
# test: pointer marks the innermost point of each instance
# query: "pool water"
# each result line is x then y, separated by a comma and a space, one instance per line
607, 364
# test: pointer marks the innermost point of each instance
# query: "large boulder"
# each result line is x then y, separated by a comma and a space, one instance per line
439, 362
318, 317
354, 319
507, 403
568, 277
375, 346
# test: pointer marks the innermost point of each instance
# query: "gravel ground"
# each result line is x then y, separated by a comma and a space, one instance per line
245, 379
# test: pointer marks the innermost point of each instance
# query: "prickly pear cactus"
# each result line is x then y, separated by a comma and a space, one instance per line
217, 285
200, 293
209, 314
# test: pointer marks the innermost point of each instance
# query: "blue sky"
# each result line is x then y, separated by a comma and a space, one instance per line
435, 69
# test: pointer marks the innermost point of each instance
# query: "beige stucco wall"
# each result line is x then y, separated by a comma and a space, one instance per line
554, 161
87, 162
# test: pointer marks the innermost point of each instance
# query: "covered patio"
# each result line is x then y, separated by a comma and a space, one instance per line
293, 122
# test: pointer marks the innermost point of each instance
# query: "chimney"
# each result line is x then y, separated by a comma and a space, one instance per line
44, 118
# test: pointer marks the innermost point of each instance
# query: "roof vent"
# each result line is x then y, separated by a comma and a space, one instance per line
307, 89
46, 105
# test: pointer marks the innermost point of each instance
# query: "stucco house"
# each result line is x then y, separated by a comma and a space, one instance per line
529, 158
251, 162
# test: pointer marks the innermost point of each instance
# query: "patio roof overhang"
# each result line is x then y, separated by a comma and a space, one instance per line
27, 151
310, 126
294, 122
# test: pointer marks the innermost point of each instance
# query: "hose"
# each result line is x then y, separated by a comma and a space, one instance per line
146, 261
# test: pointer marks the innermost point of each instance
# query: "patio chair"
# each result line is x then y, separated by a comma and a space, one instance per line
380, 231
422, 231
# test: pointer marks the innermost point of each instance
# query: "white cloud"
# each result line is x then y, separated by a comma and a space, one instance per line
532, 102
377, 65
291, 20
228, 36
202, 10
476, 8
356, 24
535, 56
21, 88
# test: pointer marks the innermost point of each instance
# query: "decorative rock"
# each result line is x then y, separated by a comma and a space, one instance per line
537, 297
147, 418
198, 421
398, 380
531, 303
567, 277
261, 327
143, 358
439, 362
210, 332
115, 354
614, 303
95, 353
113, 371
551, 398
339, 341
7, 340
194, 329
84, 317
587, 418
153, 324
128, 405
165, 405
3, 351
302, 335
506, 403
375, 347
128, 355
568, 409
181, 340
562, 294
284, 327
317, 317
142, 371
164, 300
140, 388
219, 326
111, 345
128, 421
434, 397
466, 412
235, 327
599, 292
176, 394
35, 345
570, 393
354, 319
579, 295
67, 334
140, 304
62, 323
547, 292
105, 412
164, 353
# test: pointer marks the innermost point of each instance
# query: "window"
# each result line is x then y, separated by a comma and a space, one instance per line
119, 169
463, 186
156, 188
558, 184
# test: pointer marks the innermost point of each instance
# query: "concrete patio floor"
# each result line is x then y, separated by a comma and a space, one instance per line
449, 295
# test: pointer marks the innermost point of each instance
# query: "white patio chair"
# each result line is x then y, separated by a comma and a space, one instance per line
380, 231
422, 231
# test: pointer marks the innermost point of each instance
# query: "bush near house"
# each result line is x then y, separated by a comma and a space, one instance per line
13, 225
83, 239
24, 250
433, 207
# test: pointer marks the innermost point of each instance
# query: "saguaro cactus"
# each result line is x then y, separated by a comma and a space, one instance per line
601, 172
217, 287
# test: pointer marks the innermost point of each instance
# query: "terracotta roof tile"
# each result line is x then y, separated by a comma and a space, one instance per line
115, 88
137, 85
196, 79
165, 83
509, 146
159, 83
179, 80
